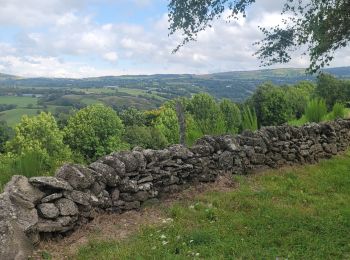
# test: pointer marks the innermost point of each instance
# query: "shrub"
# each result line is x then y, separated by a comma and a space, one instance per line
95, 131
316, 110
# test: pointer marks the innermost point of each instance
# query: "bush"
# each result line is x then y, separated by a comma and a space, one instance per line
338, 111
316, 110
249, 119
95, 131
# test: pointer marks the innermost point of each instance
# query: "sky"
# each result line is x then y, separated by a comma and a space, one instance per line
87, 38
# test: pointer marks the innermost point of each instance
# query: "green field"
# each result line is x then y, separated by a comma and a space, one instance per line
21, 102
12, 117
291, 213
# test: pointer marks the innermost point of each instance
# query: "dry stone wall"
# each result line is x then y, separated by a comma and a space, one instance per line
45, 206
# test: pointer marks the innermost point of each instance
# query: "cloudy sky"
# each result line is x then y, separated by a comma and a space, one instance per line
83, 38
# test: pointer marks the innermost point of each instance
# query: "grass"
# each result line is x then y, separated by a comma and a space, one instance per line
21, 102
291, 213
12, 117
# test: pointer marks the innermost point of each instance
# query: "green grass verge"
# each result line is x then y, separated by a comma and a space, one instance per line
292, 213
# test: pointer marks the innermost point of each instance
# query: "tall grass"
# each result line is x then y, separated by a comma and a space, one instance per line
338, 111
30, 164
316, 110
249, 119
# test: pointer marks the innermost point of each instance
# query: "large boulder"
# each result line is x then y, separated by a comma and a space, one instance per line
14, 244
22, 192
79, 177
23, 197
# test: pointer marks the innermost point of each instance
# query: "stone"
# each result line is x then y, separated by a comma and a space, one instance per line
115, 195
79, 177
67, 207
48, 210
115, 163
226, 160
148, 178
22, 192
179, 151
202, 150
52, 197
23, 207
109, 175
130, 161
79, 197
50, 182
61, 224
127, 185
14, 244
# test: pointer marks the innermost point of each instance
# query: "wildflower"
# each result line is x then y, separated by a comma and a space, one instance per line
164, 242
163, 236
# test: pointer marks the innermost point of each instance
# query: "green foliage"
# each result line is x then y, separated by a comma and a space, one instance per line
316, 110
249, 119
207, 114
193, 131
6, 133
332, 90
232, 116
40, 135
29, 164
338, 111
320, 25
95, 131
271, 105
167, 124
298, 96
132, 116
145, 136
290, 213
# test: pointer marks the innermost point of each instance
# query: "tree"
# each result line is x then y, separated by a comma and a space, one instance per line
232, 116
271, 105
322, 25
298, 96
332, 90
94, 131
167, 124
207, 114
40, 135
145, 136
132, 116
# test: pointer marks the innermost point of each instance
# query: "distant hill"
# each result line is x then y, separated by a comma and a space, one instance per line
7, 77
236, 85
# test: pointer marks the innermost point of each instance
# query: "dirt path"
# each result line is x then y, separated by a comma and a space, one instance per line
117, 227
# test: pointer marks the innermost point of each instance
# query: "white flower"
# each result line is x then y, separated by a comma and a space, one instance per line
164, 242
163, 236
191, 241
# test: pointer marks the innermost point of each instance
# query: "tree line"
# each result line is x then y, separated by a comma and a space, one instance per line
43, 142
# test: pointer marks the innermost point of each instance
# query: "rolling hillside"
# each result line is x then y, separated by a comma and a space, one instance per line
237, 85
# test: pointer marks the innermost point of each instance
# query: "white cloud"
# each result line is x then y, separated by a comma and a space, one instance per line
107, 48
111, 56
